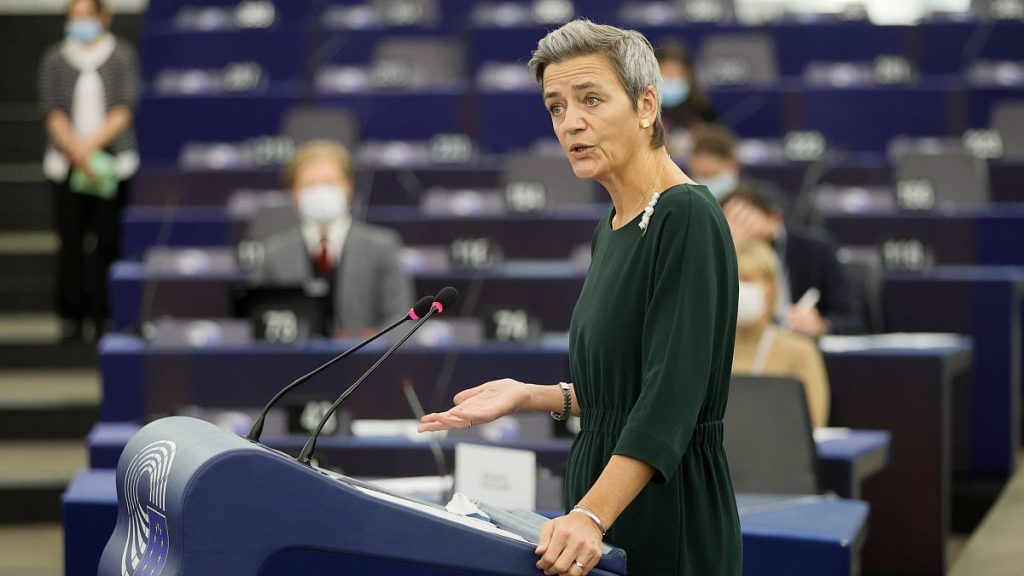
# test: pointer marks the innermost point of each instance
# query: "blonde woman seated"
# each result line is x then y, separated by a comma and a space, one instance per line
765, 349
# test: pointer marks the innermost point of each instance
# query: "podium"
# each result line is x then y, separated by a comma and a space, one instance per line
194, 499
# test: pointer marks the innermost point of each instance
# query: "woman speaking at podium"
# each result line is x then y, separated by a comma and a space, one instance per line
651, 337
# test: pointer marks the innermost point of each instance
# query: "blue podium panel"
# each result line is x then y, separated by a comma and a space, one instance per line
985, 303
908, 393
246, 506
510, 285
990, 236
166, 123
847, 459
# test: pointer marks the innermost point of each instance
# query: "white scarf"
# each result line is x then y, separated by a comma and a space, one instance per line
88, 104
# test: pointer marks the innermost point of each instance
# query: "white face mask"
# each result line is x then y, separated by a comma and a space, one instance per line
722, 184
751, 304
322, 203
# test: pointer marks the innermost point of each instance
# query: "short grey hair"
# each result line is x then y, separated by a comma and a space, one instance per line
629, 52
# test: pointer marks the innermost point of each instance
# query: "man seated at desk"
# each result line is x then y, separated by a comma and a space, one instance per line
815, 294
361, 262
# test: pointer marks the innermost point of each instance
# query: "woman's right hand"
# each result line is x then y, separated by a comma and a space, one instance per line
484, 403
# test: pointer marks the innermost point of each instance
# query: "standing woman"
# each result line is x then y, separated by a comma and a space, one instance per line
651, 338
88, 85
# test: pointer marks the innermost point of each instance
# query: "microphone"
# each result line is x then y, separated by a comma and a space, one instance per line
419, 310
444, 300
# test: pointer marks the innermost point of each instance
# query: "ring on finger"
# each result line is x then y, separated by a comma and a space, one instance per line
579, 564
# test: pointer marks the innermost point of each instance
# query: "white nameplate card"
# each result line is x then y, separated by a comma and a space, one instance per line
502, 477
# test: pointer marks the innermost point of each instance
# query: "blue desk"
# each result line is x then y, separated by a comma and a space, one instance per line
172, 186
985, 303
847, 461
987, 307
812, 536
801, 535
989, 236
505, 121
89, 513
513, 120
508, 285
279, 51
171, 121
908, 392
520, 236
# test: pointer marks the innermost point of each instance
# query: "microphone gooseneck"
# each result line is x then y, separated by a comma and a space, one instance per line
445, 299
421, 308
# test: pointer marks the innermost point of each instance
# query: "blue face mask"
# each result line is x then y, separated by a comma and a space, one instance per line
674, 92
85, 31
722, 184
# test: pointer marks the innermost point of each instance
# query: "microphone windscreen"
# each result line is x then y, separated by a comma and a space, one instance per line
447, 298
421, 307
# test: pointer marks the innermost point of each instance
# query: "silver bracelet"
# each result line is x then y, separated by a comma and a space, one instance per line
566, 403
590, 514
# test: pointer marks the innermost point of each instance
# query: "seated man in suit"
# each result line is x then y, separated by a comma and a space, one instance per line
368, 286
808, 262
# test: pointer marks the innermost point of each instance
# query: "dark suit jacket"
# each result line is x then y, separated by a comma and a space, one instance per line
811, 263
370, 286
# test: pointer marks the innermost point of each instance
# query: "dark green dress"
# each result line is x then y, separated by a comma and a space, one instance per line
651, 346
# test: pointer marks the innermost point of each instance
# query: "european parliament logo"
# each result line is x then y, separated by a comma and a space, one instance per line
145, 493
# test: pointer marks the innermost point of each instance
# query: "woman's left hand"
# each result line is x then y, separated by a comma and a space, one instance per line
566, 542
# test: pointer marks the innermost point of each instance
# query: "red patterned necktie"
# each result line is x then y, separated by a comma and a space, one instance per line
323, 261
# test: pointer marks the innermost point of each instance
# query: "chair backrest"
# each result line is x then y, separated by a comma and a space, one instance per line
401, 13
925, 181
418, 63
768, 437
865, 269
1008, 120
739, 60
547, 179
305, 123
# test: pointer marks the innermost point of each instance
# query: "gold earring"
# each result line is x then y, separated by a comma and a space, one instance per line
645, 124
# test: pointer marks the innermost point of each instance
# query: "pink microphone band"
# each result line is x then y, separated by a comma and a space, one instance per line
412, 314
438, 306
